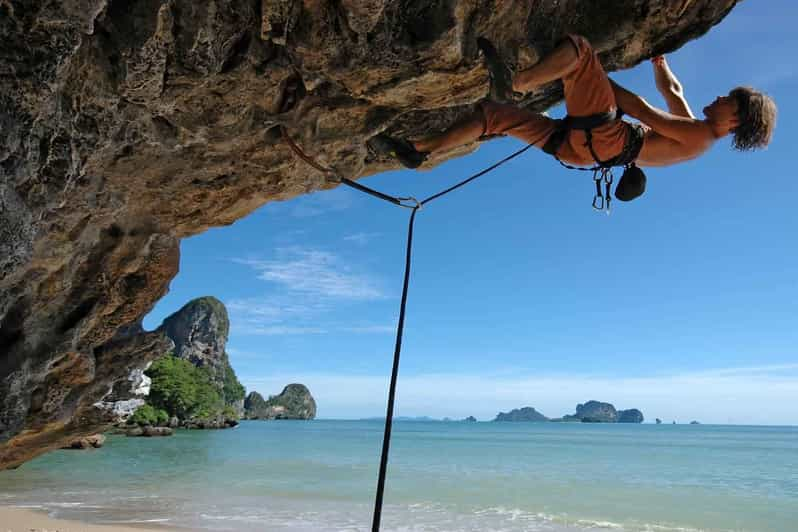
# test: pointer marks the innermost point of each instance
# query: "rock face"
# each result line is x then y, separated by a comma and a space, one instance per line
595, 412
470, 419
254, 406
295, 402
521, 414
193, 385
126, 126
199, 331
89, 442
630, 416
148, 432
598, 412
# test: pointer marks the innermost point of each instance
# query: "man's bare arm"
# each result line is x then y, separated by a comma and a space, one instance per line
671, 89
682, 129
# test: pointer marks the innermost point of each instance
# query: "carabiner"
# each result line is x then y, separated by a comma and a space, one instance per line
598, 205
415, 204
598, 202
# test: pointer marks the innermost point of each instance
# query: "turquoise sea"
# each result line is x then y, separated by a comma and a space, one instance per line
321, 475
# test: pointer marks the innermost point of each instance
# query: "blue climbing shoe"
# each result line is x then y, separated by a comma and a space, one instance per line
400, 149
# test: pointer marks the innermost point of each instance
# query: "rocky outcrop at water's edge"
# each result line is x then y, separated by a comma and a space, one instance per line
94, 441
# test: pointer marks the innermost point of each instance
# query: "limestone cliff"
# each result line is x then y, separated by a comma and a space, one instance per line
126, 126
193, 385
199, 331
294, 402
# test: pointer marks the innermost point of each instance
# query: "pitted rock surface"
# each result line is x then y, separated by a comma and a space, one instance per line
128, 125
199, 331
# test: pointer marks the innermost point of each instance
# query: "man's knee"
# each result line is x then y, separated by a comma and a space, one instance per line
482, 113
580, 44
496, 117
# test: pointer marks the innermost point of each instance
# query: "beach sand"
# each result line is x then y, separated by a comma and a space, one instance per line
26, 520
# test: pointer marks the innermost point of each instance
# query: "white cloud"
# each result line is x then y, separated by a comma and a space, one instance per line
276, 315
274, 330
370, 329
242, 355
760, 395
315, 272
361, 238
305, 288
275, 308
320, 203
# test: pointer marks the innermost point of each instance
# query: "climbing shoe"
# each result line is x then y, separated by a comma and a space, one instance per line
632, 184
501, 77
399, 149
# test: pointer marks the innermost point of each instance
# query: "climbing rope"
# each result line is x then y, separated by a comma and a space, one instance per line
413, 204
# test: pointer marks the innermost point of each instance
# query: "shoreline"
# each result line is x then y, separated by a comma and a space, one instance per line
15, 519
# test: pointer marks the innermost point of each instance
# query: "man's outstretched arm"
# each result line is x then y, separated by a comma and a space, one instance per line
671, 89
681, 129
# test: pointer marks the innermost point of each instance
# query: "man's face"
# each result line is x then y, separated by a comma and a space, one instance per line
723, 111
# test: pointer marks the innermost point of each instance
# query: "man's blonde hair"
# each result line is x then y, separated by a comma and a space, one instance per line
756, 112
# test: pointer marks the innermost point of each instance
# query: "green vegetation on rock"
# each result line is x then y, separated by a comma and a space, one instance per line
148, 415
183, 389
232, 390
194, 386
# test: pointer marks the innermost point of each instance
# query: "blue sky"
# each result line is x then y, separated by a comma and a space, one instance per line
682, 303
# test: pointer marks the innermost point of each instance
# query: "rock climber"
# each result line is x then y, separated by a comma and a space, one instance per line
593, 133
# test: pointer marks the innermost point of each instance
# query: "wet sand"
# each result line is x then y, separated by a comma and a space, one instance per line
27, 520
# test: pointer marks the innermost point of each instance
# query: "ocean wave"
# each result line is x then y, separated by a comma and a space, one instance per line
566, 522
134, 521
64, 504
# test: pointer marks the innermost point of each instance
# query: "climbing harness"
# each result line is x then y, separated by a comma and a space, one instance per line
632, 183
415, 205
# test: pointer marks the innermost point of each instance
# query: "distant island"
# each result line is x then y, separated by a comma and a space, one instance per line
294, 402
521, 414
589, 412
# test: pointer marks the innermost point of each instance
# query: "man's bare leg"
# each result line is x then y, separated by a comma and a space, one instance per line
461, 133
558, 64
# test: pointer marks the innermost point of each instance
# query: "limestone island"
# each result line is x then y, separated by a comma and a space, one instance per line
295, 402
589, 412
